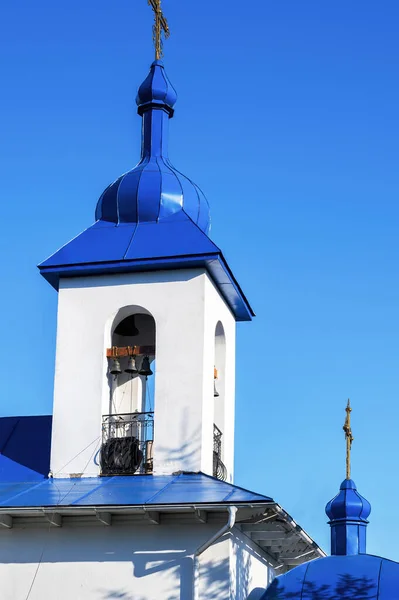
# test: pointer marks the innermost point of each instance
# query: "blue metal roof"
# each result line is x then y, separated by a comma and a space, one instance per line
148, 490
25, 448
359, 577
107, 242
25, 463
152, 217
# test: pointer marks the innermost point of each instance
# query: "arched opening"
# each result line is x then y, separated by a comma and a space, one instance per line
219, 470
128, 427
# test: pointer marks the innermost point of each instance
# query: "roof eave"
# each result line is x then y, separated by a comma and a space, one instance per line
215, 264
264, 522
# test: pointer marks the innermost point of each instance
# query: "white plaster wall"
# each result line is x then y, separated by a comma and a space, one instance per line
250, 571
217, 310
186, 307
108, 563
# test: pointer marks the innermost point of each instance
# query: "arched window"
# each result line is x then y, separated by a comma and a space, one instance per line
128, 426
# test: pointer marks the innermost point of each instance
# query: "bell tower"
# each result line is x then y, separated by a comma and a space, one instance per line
147, 312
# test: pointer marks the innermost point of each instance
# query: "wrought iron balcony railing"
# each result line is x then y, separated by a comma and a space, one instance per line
127, 441
219, 470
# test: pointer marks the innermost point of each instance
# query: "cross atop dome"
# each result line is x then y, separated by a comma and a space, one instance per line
160, 27
349, 438
348, 511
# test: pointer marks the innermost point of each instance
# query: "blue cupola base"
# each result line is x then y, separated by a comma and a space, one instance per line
348, 513
152, 217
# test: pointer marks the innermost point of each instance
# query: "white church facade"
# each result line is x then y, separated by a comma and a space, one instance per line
136, 500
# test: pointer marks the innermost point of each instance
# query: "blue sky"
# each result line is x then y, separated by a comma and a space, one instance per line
288, 120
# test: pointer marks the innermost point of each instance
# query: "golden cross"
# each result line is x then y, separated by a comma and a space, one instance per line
160, 26
349, 439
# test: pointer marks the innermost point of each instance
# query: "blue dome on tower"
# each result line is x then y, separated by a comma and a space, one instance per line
154, 191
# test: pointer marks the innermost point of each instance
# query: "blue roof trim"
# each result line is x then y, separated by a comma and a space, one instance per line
138, 490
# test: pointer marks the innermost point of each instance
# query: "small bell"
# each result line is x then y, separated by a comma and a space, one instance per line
115, 366
127, 327
145, 369
131, 366
215, 376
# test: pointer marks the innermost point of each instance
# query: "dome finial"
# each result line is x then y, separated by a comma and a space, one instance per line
349, 438
160, 26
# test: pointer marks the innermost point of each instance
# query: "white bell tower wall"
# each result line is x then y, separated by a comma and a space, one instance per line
188, 311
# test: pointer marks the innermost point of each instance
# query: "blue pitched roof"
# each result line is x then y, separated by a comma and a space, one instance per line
141, 490
25, 464
362, 577
107, 247
25, 448
13, 471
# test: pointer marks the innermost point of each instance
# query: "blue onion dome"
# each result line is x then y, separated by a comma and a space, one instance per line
154, 191
348, 504
361, 577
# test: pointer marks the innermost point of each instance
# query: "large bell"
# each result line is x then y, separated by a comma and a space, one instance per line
131, 366
115, 366
127, 327
145, 368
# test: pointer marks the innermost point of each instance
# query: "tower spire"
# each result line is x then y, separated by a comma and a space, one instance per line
160, 27
349, 439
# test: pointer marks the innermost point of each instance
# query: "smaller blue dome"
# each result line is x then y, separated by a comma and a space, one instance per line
361, 577
348, 513
348, 504
156, 90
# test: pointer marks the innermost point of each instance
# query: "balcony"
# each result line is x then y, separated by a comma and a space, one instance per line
127, 442
219, 470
